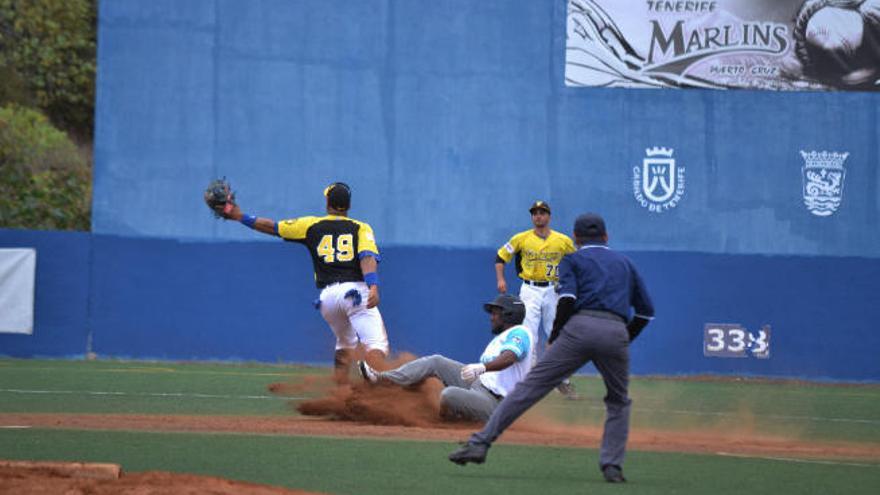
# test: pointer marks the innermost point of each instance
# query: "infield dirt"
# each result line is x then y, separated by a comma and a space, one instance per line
42, 480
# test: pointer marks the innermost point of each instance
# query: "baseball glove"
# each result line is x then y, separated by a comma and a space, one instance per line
220, 198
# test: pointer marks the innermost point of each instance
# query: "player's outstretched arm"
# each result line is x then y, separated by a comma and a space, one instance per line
264, 225
260, 224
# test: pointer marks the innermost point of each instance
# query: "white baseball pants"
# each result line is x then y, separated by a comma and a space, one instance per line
540, 308
344, 308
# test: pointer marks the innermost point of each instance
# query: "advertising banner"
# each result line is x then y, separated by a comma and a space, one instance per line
17, 275
724, 44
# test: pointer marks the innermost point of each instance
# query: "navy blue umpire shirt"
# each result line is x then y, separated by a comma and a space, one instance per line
601, 279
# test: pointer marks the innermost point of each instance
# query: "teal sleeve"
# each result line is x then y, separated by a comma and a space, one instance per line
517, 342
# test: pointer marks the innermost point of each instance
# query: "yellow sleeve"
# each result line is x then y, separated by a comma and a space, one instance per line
366, 239
295, 228
507, 251
567, 245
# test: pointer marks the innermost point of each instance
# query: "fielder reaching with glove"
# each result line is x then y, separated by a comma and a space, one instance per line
473, 391
345, 259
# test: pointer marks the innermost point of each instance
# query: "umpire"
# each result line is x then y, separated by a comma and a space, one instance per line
597, 287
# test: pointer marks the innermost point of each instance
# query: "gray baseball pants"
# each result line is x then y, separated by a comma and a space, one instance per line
459, 400
584, 338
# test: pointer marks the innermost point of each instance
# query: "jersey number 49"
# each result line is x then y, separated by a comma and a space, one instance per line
340, 250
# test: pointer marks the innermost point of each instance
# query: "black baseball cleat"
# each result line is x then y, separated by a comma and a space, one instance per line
613, 474
470, 452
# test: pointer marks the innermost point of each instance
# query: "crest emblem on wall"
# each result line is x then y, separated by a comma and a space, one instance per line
658, 184
823, 174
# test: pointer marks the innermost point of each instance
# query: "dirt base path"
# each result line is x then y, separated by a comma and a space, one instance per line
51, 478
528, 431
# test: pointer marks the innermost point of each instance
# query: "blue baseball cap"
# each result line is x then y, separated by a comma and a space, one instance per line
589, 225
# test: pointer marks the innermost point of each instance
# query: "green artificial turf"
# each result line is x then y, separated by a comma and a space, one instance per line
810, 412
124, 387
357, 466
817, 412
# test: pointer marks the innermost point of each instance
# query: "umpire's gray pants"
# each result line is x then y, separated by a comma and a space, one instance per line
459, 400
583, 339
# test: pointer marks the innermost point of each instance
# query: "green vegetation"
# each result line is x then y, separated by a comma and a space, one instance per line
47, 59
46, 180
47, 93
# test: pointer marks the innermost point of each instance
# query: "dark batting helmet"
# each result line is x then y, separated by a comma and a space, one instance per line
513, 310
338, 196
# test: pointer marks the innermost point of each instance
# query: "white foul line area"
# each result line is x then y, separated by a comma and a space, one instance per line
802, 461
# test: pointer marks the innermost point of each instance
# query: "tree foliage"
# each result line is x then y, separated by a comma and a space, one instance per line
45, 179
47, 59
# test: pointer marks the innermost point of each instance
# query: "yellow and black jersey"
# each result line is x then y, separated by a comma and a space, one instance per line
335, 243
537, 259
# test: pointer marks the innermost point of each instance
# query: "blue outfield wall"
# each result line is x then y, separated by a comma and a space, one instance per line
172, 300
448, 118
61, 294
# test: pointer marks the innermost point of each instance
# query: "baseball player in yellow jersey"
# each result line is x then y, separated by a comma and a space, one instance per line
345, 258
538, 252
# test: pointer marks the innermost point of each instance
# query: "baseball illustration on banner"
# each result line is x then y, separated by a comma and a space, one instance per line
823, 174
723, 44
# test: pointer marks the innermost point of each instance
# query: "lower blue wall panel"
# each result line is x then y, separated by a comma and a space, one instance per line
61, 294
252, 301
